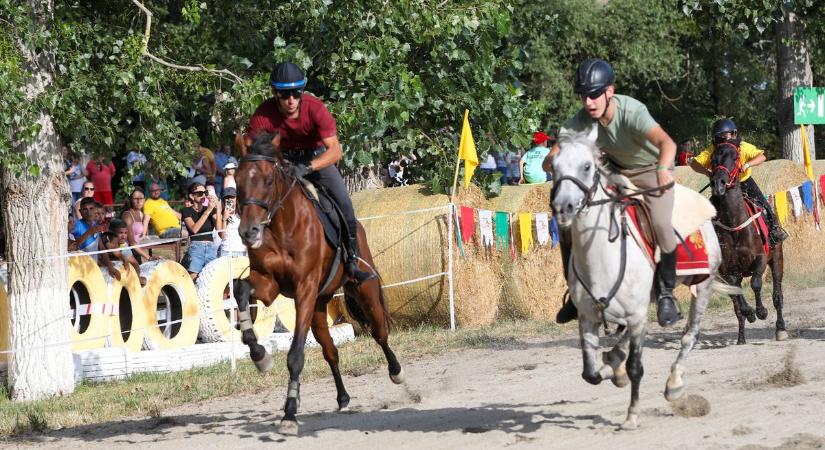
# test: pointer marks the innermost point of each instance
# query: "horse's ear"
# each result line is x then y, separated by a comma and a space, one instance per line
242, 141
593, 134
276, 141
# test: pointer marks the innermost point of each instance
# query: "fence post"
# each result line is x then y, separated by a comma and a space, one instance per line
450, 234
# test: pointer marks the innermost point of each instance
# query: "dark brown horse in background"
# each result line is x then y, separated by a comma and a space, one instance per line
743, 252
289, 255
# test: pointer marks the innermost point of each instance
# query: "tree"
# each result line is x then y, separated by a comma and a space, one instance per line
41, 363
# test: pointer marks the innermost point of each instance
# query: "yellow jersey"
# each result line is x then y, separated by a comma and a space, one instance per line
747, 152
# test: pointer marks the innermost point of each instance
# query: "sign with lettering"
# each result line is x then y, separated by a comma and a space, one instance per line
809, 105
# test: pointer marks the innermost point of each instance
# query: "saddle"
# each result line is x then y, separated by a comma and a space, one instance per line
329, 214
759, 224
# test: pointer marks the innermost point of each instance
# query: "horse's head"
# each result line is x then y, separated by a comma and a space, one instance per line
260, 169
575, 174
725, 166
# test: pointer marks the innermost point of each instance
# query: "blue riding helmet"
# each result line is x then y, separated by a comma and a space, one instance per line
286, 76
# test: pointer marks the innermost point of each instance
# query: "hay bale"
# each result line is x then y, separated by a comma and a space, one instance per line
410, 246
534, 282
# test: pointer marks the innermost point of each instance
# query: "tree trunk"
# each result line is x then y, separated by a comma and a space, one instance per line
793, 68
35, 209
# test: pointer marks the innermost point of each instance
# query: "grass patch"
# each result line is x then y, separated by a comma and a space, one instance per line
149, 394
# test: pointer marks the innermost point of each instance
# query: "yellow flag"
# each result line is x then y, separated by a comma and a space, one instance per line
525, 224
807, 154
467, 150
780, 203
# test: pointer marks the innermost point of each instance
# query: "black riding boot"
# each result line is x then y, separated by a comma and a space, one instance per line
667, 313
568, 310
356, 274
776, 234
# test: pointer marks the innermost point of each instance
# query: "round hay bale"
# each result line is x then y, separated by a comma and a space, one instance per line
772, 176
534, 283
414, 245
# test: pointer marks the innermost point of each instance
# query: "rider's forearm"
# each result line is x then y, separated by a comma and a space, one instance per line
330, 157
757, 160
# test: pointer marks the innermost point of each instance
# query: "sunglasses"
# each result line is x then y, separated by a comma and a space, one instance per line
88, 189
138, 198
295, 93
199, 193
593, 95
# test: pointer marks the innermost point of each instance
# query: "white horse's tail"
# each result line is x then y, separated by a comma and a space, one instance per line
720, 287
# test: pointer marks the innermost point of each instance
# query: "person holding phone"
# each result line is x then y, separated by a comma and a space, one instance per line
201, 221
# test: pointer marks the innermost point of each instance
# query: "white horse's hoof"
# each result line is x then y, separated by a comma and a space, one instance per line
631, 423
620, 378
265, 364
674, 393
399, 378
781, 335
288, 428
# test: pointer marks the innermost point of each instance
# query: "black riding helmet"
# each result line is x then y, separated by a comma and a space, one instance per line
593, 77
286, 76
721, 127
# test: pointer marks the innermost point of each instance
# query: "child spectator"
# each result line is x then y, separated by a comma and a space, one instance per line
232, 245
116, 238
201, 219
87, 230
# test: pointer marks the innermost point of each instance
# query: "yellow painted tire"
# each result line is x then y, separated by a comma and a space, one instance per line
4, 320
89, 303
128, 320
285, 308
169, 280
211, 283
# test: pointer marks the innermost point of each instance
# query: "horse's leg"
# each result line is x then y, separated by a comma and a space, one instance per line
305, 298
320, 330
370, 297
674, 388
617, 359
635, 371
777, 271
740, 318
589, 336
756, 286
265, 287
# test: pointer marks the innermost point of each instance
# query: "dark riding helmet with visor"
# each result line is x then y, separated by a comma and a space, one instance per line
288, 77
722, 126
593, 77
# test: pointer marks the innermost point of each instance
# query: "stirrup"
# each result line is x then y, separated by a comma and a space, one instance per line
357, 275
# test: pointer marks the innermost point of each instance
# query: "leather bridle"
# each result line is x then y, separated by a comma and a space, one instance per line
733, 174
267, 204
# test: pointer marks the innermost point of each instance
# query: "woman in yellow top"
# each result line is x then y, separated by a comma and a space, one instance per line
724, 130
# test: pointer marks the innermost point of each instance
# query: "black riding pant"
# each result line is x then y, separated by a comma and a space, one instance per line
751, 190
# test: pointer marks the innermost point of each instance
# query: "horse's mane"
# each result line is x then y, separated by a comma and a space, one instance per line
262, 145
582, 138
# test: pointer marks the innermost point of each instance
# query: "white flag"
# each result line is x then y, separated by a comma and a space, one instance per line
542, 228
485, 226
797, 201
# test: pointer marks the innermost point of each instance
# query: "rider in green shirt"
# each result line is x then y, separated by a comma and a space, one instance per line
636, 146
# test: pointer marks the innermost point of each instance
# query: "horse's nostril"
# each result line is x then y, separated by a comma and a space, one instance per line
568, 208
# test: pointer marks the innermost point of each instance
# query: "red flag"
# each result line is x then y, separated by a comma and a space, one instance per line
468, 224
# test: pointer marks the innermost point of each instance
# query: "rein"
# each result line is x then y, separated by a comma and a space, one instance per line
267, 205
732, 180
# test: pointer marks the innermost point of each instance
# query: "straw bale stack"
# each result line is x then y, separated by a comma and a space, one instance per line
533, 283
408, 246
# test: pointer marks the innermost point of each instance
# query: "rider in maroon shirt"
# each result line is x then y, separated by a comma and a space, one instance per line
309, 141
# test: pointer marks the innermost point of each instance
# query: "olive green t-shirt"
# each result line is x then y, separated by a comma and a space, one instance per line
623, 140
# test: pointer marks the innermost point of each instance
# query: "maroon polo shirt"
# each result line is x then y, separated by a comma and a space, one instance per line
306, 132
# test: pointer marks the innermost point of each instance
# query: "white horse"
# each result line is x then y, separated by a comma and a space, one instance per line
610, 278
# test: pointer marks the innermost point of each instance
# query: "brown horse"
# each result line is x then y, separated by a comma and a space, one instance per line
289, 255
743, 253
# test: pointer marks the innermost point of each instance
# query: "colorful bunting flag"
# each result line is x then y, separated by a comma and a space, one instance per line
542, 229
485, 227
796, 200
807, 196
457, 225
554, 228
806, 154
822, 187
468, 224
502, 230
780, 200
525, 223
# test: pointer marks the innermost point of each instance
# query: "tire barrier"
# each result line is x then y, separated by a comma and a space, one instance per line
171, 306
89, 304
213, 294
127, 323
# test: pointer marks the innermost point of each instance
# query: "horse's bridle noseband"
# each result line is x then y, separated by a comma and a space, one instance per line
733, 174
267, 205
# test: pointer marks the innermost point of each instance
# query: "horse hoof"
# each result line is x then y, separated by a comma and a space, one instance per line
288, 428
620, 381
741, 342
343, 405
750, 316
631, 423
672, 394
265, 364
781, 335
398, 378
762, 313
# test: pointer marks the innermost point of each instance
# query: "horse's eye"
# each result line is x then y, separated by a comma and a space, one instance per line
587, 167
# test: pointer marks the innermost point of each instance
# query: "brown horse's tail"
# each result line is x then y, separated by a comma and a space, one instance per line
357, 312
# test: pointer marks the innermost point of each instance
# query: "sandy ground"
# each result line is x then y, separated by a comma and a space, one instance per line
527, 394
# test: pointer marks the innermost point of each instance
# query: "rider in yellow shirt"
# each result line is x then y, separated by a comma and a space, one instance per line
724, 130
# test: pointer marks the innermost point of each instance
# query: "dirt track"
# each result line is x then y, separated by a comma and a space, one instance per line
527, 393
